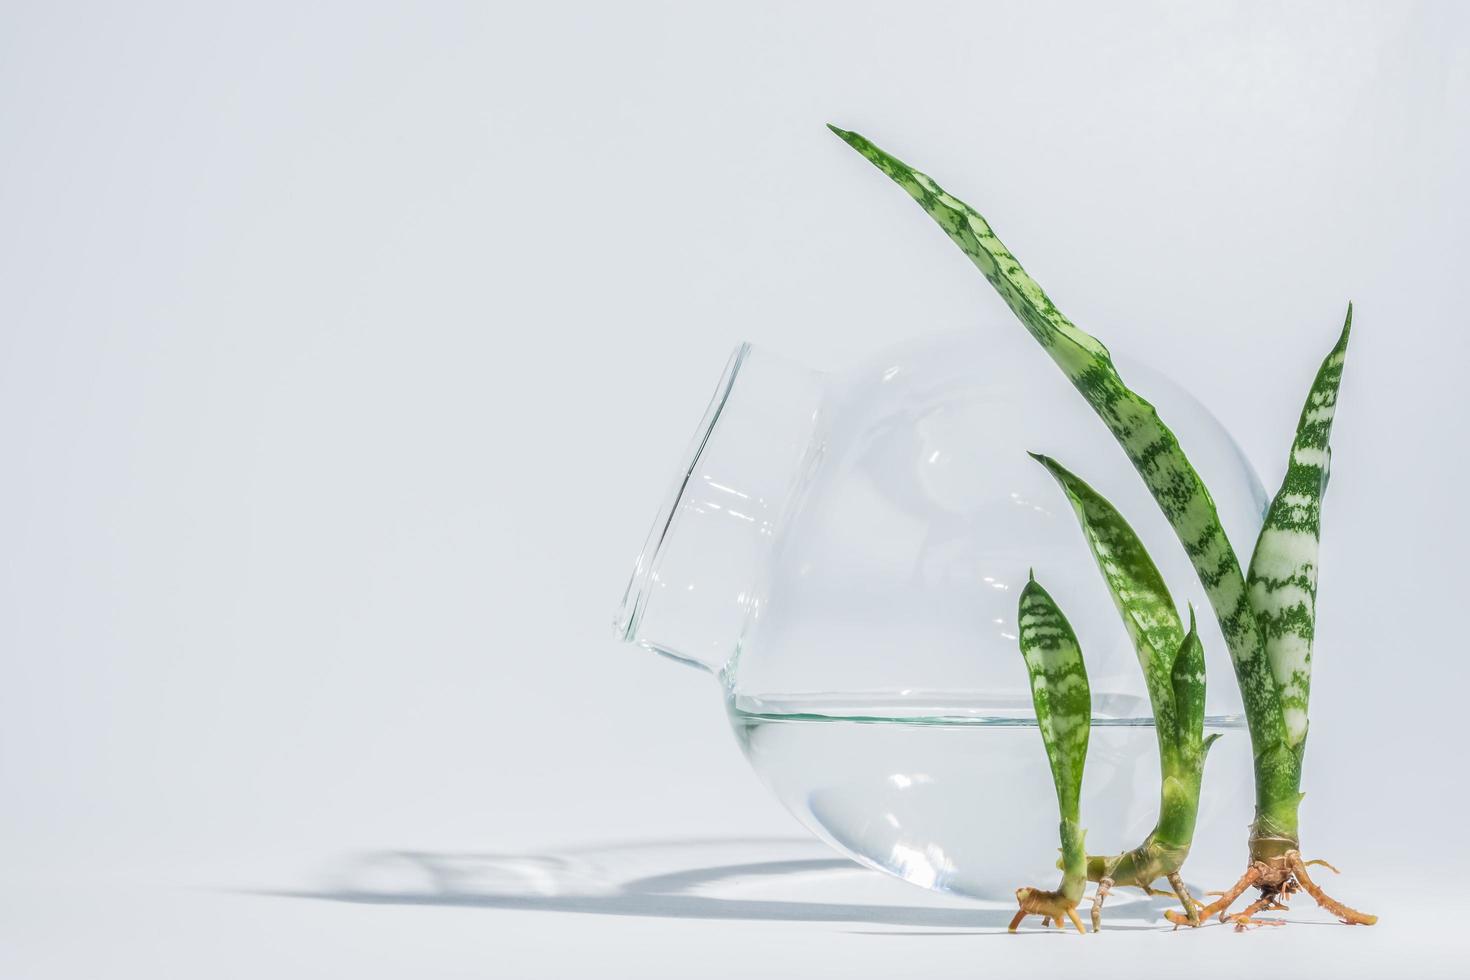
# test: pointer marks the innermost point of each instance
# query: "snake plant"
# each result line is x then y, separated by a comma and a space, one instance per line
1063, 702
1268, 619
1173, 664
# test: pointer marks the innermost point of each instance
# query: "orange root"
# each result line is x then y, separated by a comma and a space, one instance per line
1221, 904
1277, 881
1051, 906
1349, 916
1247, 919
1181, 891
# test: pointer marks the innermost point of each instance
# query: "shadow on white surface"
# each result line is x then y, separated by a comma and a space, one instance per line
769, 879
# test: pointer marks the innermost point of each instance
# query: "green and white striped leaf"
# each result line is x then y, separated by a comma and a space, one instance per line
1283, 569
1059, 690
1148, 443
1187, 678
1138, 590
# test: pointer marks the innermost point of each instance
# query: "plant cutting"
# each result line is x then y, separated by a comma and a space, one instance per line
1063, 702
1282, 584
1269, 620
1173, 664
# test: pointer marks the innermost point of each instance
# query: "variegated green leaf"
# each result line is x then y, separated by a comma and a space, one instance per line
1059, 690
1174, 673
1187, 677
1283, 569
1138, 590
1149, 444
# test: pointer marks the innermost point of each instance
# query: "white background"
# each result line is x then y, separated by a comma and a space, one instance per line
346, 349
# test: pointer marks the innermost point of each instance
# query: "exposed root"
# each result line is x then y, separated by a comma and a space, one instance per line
1349, 916
1191, 907
1247, 919
1279, 879
1051, 906
1103, 887
1219, 906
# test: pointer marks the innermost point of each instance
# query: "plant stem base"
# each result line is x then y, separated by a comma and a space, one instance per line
1140, 868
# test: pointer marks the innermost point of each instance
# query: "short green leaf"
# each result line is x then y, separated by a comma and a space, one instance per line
1059, 691
1188, 680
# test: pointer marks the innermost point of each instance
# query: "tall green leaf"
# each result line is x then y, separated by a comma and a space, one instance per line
1148, 443
1283, 569
1138, 591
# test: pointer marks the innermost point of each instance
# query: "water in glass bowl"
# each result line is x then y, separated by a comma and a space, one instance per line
954, 794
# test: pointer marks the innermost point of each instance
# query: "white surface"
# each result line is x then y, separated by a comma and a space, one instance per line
346, 350
827, 923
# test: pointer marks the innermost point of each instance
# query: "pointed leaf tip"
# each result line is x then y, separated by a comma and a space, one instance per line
849, 137
1062, 475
